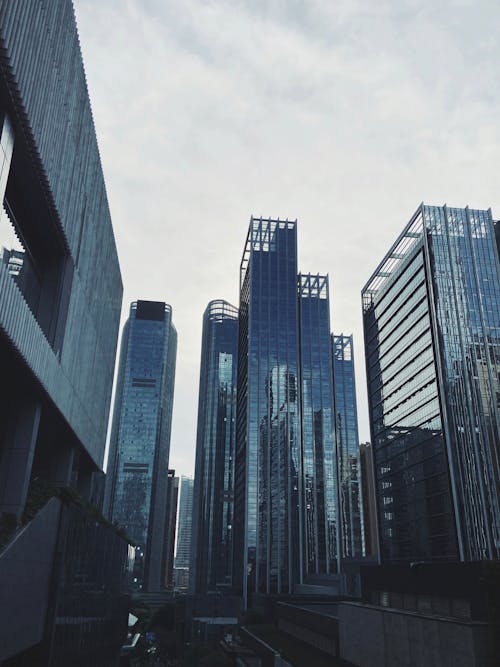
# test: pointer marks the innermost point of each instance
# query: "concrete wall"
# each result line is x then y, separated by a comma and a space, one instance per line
25, 576
50, 110
382, 637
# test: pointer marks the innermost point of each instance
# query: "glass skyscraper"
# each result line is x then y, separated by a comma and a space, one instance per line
136, 490
319, 465
268, 458
349, 469
286, 488
184, 523
212, 542
432, 337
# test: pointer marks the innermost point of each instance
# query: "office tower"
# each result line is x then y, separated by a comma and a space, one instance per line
346, 428
60, 299
431, 317
212, 541
268, 487
369, 502
184, 524
172, 497
319, 465
136, 487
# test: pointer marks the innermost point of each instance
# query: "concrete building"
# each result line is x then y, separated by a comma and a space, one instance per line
369, 501
60, 300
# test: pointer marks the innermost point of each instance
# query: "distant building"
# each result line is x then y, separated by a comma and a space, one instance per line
369, 502
60, 300
431, 317
213, 506
184, 524
136, 487
171, 522
346, 429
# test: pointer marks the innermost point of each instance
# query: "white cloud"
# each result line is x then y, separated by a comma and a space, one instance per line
342, 114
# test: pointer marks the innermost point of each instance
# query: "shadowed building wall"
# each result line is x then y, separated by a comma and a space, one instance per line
60, 301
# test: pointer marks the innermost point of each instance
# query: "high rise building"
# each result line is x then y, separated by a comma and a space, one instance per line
171, 523
136, 488
212, 541
319, 464
60, 300
184, 523
346, 428
432, 337
286, 521
268, 486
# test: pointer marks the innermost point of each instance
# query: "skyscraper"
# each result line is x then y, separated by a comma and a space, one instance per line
432, 337
319, 464
171, 524
212, 542
60, 299
268, 486
136, 490
184, 524
286, 522
346, 429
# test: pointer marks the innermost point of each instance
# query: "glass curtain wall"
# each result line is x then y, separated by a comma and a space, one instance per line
211, 563
140, 440
463, 260
268, 458
346, 427
432, 337
415, 510
318, 445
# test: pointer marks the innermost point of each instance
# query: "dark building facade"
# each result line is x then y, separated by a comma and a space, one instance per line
213, 504
136, 487
351, 526
432, 325
369, 501
60, 297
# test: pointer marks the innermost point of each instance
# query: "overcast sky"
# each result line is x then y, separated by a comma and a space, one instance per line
344, 114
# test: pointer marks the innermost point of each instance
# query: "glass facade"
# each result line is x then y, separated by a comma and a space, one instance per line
466, 288
318, 437
140, 440
432, 325
212, 552
183, 549
268, 457
346, 428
